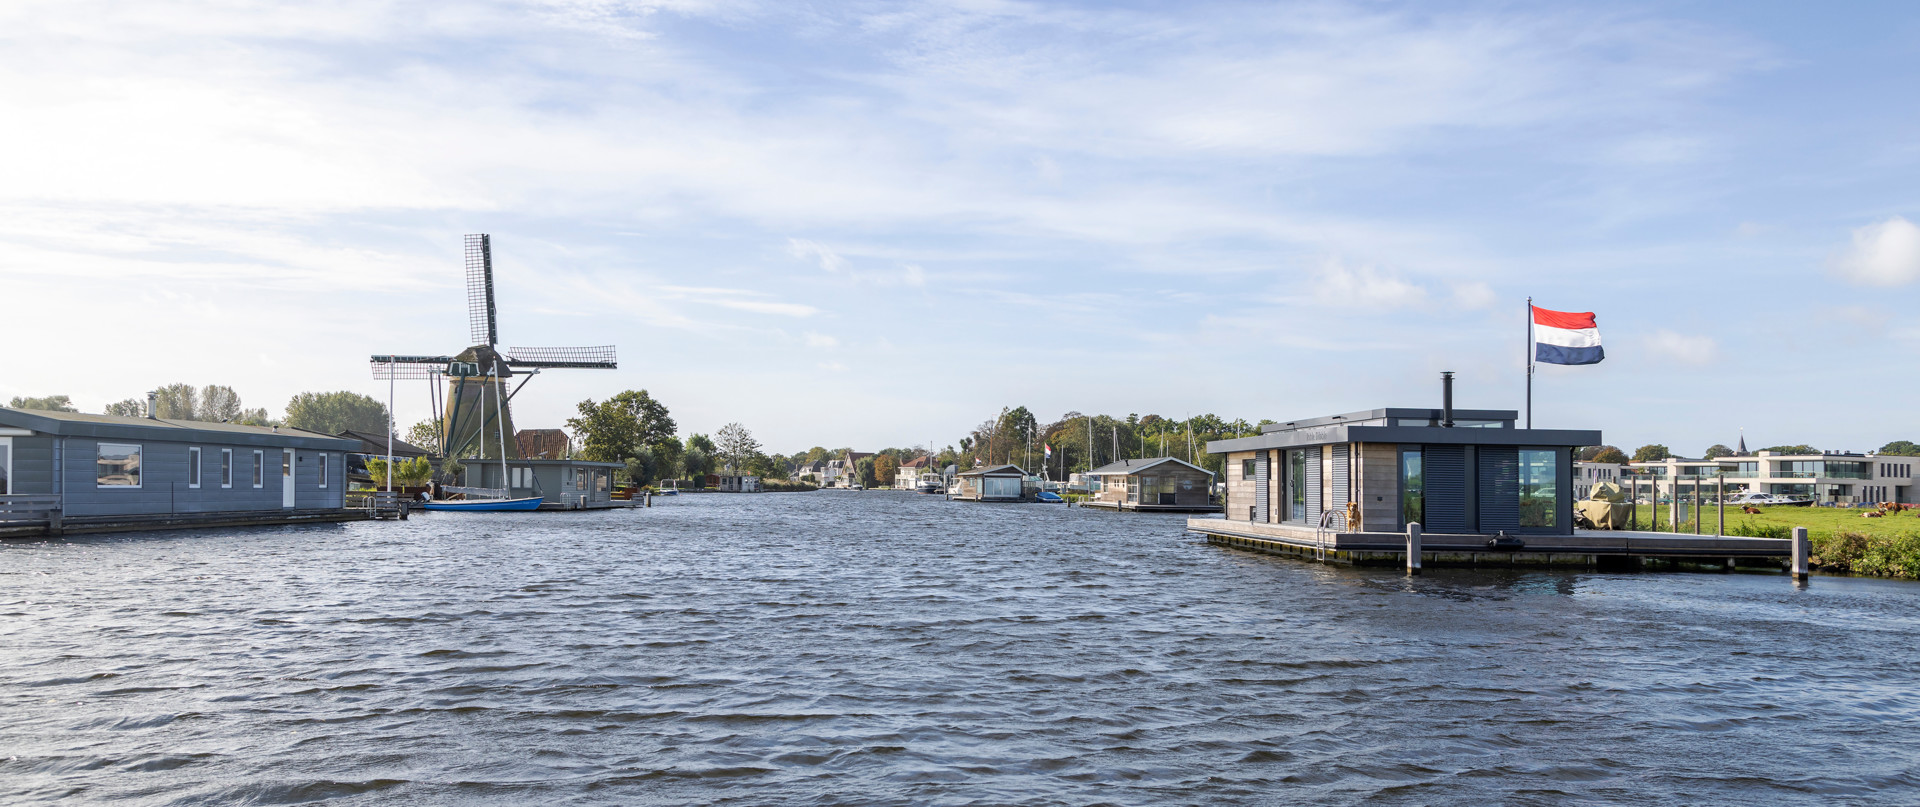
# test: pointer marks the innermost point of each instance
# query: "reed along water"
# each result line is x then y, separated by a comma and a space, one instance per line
888, 648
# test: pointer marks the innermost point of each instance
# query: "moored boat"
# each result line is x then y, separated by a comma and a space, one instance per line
485, 505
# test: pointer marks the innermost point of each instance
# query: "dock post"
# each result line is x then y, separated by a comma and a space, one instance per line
1720, 503
55, 529
1413, 548
1696, 505
646, 498
1801, 548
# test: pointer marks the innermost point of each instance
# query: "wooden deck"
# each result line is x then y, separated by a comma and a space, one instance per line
79, 525
1583, 549
1151, 508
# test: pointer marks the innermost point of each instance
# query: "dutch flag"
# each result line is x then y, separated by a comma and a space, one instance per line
1561, 337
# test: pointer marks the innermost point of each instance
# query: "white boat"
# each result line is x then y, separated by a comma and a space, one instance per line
1770, 499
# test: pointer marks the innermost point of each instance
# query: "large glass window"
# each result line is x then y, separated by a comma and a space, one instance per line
1297, 484
117, 465
1413, 487
1539, 487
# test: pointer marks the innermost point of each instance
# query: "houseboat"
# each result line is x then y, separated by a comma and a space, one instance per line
993, 483
1158, 484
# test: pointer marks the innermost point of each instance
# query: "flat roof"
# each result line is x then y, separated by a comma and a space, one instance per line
1392, 413
1428, 435
115, 427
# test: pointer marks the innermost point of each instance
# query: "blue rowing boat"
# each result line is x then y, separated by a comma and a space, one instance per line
486, 505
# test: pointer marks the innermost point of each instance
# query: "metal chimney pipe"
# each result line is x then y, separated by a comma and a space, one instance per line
1446, 398
153, 404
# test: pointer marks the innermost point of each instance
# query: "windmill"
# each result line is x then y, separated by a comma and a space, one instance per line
477, 421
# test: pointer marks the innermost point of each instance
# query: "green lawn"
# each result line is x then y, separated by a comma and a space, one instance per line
1819, 521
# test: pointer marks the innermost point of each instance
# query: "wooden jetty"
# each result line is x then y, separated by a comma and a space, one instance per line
1584, 549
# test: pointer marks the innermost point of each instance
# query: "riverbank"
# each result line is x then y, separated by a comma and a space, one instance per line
1844, 542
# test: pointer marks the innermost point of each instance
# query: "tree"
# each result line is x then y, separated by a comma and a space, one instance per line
51, 403
426, 434
335, 412
885, 468
701, 442
864, 469
1651, 453
129, 408
219, 404
1803, 448
1717, 451
1609, 454
816, 454
763, 466
1898, 448
1588, 453
616, 429
697, 463
177, 402
735, 445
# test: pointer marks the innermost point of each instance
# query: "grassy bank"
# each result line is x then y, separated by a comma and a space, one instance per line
1842, 540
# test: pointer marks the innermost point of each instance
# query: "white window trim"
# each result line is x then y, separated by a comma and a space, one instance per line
323, 470
226, 468
140, 447
194, 467
6, 442
259, 468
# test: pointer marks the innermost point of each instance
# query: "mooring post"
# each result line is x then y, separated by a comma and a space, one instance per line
1696, 505
1720, 503
54, 519
1413, 548
1801, 549
646, 497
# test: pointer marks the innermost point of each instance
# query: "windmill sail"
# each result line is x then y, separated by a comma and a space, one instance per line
480, 310
592, 358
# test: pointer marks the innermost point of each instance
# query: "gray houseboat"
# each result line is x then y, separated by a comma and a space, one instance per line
1467, 472
1162, 484
993, 483
564, 484
104, 472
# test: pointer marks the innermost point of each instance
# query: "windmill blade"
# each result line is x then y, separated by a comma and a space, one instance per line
584, 358
480, 310
408, 367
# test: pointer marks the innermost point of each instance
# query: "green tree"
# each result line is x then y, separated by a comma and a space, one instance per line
334, 412
864, 470
1651, 453
1609, 454
700, 441
615, 429
426, 434
1802, 448
129, 408
177, 402
735, 445
885, 467
763, 466
1717, 451
219, 404
816, 454
1588, 453
51, 403
1898, 448
697, 463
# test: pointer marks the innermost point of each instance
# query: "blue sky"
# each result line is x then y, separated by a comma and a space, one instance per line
875, 224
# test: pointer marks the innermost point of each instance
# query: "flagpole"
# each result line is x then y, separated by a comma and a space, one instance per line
1529, 362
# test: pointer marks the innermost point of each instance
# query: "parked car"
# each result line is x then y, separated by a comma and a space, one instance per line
1768, 499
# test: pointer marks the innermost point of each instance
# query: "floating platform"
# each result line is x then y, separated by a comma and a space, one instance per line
1130, 507
82, 525
1591, 549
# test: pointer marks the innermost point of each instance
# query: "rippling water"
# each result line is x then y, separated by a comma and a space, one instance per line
890, 648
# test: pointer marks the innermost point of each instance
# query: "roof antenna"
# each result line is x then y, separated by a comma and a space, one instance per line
1446, 399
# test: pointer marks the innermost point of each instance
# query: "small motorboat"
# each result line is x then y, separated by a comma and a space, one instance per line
1049, 497
485, 505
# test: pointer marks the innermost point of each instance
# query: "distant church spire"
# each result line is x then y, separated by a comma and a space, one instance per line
1742, 450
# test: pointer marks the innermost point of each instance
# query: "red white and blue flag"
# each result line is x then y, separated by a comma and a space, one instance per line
1561, 337
1049, 448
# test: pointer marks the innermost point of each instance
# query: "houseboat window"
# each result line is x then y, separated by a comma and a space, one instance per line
193, 466
226, 467
1539, 487
323, 470
1297, 483
259, 469
117, 465
5, 460
286, 464
579, 479
1413, 487
1246, 469
1415, 422
600, 481
1480, 424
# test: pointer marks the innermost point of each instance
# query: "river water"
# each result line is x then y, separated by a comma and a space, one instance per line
878, 648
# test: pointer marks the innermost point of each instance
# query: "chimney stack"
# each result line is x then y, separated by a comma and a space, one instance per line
1446, 398
153, 405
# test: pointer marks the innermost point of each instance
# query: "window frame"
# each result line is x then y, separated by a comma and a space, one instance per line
140, 477
323, 470
226, 468
259, 468
193, 467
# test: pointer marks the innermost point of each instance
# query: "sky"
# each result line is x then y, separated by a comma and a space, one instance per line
876, 224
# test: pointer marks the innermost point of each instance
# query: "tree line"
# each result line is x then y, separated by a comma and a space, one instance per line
322, 412
1655, 452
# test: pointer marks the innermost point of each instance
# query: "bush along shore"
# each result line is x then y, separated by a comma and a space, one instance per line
1845, 540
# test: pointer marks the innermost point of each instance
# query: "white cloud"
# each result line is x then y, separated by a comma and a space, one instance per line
806, 250
1474, 294
1364, 286
820, 340
1684, 348
1883, 254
